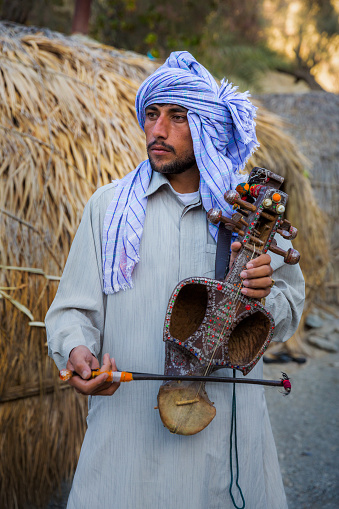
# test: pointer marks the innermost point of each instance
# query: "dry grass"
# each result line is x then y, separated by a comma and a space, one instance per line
67, 126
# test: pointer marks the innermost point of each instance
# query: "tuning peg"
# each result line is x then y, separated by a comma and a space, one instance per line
286, 225
237, 218
289, 233
291, 256
233, 197
214, 216
293, 231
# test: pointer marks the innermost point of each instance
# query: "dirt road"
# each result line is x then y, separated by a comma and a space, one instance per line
306, 430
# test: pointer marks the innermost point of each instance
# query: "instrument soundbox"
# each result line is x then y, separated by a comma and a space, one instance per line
209, 323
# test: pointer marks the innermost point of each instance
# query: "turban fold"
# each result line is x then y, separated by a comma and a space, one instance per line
222, 126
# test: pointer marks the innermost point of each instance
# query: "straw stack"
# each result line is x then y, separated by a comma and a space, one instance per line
67, 126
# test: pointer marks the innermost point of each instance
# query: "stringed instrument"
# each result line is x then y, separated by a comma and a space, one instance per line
209, 323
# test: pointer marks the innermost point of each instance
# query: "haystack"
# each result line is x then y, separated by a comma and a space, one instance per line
68, 125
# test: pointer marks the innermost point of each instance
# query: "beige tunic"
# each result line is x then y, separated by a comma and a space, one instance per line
128, 459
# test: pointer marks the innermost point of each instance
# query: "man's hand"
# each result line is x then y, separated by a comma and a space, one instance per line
82, 361
257, 281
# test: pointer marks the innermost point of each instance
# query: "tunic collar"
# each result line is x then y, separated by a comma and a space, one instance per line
158, 180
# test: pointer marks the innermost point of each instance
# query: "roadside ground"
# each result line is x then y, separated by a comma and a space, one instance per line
306, 430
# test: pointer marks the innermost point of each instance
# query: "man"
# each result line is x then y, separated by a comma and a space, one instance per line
143, 234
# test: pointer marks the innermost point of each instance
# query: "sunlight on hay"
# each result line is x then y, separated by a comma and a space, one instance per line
67, 126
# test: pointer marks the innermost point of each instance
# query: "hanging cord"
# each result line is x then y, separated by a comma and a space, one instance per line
234, 426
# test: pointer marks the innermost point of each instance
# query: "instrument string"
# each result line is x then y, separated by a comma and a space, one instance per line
236, 300
232, 315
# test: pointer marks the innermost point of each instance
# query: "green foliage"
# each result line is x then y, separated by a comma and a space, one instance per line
326, 17
233, 46
149, 26
226, 35
240, 63
229, 36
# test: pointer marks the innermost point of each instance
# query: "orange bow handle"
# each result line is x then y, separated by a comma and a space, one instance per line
113, 376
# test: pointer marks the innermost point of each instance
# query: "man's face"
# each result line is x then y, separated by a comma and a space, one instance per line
168, 139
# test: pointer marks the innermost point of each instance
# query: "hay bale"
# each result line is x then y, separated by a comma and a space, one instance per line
68, 125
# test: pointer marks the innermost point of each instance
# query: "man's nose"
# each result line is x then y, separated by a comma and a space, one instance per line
160, 129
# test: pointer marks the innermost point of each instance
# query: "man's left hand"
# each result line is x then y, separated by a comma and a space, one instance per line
257, 280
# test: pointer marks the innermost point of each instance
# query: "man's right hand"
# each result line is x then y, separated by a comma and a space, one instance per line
82, 361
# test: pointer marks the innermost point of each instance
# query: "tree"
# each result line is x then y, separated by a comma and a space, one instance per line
233, 43
149, 26
82, 12
307, 31
225, 35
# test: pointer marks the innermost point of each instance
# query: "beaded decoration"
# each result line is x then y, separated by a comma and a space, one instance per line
214, 332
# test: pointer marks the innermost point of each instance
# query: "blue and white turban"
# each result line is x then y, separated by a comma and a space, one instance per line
222, 125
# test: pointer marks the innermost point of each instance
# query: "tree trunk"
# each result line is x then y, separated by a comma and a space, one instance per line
81, 16
304, 74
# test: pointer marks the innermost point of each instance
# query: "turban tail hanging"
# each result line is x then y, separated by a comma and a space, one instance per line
222, 126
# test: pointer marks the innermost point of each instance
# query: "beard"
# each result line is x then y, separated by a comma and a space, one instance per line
175, 167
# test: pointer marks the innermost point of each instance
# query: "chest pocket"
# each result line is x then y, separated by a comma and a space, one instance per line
210, 253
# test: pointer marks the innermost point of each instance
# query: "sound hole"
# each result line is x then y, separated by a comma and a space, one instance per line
188, 311
247, 338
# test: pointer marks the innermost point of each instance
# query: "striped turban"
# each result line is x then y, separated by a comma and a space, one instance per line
222, 126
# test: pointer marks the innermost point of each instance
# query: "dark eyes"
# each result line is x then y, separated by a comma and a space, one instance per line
153, 115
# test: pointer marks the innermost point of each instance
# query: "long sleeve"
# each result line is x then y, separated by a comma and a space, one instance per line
286, 300
77, 314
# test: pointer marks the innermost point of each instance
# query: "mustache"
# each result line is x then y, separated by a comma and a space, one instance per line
162, 144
